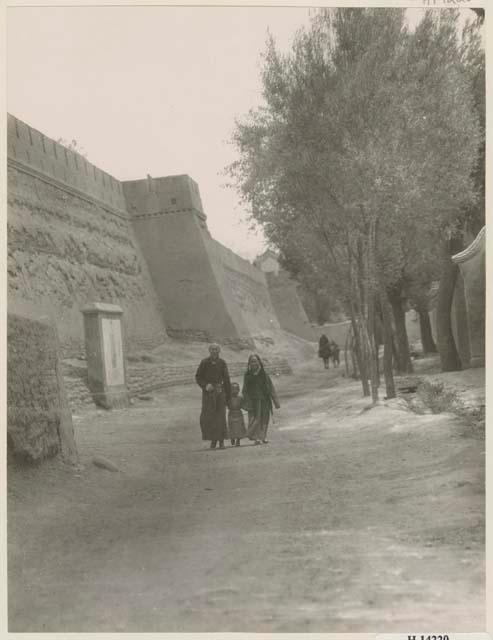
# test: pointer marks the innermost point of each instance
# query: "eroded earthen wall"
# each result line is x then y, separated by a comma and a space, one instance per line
288, 307
207, 291
77, 235
39, 422
70, 242
245, 290
168, 222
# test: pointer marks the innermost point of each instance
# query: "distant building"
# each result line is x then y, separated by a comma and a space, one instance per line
268, 262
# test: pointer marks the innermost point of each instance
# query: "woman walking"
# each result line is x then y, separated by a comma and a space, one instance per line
258, 397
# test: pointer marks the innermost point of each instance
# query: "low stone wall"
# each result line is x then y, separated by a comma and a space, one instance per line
150, 378
145, 378
39, 422
78, 392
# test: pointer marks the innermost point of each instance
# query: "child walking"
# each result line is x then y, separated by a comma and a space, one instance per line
236, 422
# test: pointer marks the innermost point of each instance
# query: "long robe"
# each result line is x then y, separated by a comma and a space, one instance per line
213, 415
236, 422
324, 347
258, 396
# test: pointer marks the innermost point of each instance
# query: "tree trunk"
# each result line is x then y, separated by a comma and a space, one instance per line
404, 363
346, 363
449, 357
368, 340
360, 359
427, 341
395, 353
388, 342
359, 343
354, 361
370, 328
377, 360
319, 310
378, 342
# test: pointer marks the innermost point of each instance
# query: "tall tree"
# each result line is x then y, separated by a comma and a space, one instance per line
365, 137
440, 53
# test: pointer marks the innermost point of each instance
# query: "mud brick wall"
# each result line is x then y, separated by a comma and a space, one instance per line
288, 307
244, 288
77, 235
205, 289
168, 222
28, 147
70, 241
39, 423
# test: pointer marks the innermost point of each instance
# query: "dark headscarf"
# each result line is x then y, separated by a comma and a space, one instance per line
261, 376
250, 358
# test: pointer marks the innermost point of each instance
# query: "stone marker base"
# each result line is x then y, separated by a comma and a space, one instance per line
111, 398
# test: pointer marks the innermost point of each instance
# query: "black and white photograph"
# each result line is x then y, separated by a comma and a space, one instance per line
245, 318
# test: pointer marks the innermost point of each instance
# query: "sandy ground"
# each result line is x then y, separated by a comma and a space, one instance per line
348, 520
273, 345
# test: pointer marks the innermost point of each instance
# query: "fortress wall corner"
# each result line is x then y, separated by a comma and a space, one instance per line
168, 220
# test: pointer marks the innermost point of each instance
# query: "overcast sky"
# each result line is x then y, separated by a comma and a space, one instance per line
147, 90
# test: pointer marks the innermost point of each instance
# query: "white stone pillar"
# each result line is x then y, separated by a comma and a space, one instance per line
104, 354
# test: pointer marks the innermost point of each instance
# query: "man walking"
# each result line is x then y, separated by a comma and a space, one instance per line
213, 378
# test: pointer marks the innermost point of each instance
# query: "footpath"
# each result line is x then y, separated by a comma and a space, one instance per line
348, 520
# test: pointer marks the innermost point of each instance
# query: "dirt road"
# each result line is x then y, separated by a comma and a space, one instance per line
345, 521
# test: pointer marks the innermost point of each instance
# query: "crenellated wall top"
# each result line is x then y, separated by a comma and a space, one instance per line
29, 148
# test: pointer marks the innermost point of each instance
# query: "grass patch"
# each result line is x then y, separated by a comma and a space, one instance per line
436, 396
